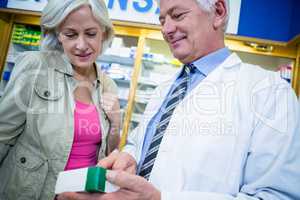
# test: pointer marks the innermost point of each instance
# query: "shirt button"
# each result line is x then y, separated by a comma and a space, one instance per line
47, 93
23, 160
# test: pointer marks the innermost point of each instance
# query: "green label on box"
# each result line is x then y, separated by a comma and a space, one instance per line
96, 177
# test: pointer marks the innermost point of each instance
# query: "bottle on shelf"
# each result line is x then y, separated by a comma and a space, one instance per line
5, 77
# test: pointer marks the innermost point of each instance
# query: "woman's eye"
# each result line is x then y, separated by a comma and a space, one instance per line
91, 34
70, 35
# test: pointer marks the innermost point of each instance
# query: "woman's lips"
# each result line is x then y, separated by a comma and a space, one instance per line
84, 57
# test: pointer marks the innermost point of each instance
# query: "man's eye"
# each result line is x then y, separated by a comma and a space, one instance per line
178, 16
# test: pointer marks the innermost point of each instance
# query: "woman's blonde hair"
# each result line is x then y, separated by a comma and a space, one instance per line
56, 11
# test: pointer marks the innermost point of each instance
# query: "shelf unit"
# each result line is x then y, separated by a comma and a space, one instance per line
148, 40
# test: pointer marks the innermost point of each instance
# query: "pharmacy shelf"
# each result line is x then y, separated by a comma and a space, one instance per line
11, 58
116, 59
140, 99
147, 81
122, 81
136, 117
142, 80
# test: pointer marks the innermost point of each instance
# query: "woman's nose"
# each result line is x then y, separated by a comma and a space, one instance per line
81, 43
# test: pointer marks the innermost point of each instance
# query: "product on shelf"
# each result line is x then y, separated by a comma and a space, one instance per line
6, 76
27, 36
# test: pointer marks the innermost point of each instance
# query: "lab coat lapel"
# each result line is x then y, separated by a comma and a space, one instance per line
206, 97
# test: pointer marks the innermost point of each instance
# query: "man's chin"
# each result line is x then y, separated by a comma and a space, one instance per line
182, 57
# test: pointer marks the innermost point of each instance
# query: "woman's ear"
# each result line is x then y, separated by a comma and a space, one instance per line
59, 37
104, 35
220, 14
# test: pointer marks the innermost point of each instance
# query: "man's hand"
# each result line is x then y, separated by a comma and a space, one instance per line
120, 161
132, 188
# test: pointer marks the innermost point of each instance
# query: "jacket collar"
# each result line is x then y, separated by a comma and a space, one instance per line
64, 65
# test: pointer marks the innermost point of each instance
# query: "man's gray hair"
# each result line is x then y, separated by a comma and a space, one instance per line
209, 6
55, 13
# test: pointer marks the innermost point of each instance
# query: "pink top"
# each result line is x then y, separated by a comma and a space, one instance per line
87, 137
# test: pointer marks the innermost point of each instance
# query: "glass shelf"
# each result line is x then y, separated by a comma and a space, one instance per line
116, 59
156, 68
24, 38
117, 62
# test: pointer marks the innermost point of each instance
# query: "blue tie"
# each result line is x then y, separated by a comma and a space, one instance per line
176, 96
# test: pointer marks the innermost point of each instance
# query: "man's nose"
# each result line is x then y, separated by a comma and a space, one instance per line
169, 27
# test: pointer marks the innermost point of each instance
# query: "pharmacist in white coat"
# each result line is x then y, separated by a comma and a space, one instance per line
234, 136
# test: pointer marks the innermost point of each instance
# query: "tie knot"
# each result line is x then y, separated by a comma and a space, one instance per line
189, 68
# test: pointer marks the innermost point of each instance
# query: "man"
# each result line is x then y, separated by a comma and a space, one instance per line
221, 129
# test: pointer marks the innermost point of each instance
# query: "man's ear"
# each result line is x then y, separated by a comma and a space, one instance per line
220, 14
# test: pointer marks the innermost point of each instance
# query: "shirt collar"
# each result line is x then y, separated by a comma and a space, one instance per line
209, 62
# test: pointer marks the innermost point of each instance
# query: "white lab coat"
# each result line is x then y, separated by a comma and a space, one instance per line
235, 136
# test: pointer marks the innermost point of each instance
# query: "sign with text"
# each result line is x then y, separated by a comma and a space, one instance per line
140, 11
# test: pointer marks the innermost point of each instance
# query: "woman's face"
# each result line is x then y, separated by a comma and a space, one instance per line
81, 37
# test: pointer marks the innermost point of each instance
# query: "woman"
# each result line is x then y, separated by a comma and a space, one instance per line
59, 112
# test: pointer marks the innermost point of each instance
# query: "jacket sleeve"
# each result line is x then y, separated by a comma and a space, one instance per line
271, 170
113, 138
15, 101
109, 85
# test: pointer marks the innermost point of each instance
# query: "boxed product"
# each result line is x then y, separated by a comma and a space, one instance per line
91, 179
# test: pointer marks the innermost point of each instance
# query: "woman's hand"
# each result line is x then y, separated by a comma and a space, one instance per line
111, 106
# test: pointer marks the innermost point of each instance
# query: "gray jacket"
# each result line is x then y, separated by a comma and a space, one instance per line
37, 125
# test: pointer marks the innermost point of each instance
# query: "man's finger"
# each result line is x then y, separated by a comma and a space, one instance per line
131, 169
108, 162
125, 180
122, 164
125, 163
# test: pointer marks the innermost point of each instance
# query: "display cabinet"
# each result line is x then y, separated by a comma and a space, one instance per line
139, 59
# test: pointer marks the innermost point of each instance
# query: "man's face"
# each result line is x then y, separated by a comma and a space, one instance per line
190, 32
